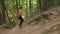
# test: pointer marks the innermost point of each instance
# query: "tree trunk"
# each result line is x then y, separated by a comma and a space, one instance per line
38, 5
44, 5
26, 9
3, 11
30, 7
1, 18
19, 2
17, 5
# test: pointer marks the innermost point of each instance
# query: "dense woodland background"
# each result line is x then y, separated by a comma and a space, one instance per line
9, 9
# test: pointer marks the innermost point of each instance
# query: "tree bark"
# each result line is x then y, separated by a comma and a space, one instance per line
38, 5
3, 11
30, 7
44, 5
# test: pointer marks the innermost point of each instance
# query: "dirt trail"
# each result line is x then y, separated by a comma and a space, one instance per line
37, 29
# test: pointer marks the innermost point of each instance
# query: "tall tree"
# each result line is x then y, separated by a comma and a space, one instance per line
44, 5
30, 7
38, 5
19, 2
26, 9
17, 5
0, 15
3, 10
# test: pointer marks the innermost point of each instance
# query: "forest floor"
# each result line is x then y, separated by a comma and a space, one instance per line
51, 26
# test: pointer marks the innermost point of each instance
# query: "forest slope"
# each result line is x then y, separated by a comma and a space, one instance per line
44, 26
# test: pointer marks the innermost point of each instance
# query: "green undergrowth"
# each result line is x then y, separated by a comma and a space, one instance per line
10, 25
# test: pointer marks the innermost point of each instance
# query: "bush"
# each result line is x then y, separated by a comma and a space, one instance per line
10, 25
